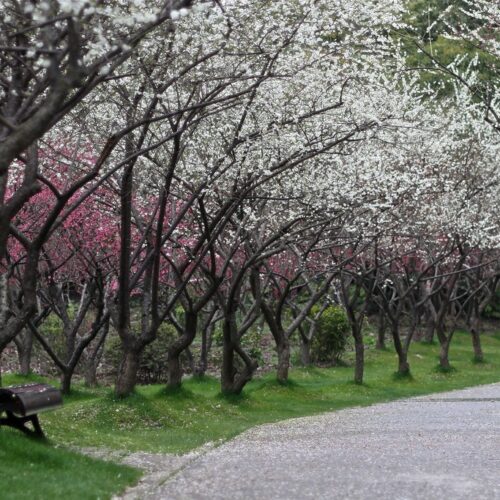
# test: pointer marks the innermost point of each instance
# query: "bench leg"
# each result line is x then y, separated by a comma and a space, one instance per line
19, 423
36, 425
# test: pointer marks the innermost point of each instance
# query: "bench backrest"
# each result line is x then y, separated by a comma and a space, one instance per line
26, 400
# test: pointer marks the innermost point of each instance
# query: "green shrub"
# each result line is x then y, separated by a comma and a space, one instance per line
251, 342
332, 335
52, 330
153, 364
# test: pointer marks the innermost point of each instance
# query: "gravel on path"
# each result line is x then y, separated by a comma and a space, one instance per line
445, 446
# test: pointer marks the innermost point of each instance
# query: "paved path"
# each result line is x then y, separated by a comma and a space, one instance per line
440, 446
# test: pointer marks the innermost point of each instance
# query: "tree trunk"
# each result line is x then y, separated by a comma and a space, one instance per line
176, 349
232, 379
201, 367
283, 349
66, 381
174, 370
430, 330
476, 341
94, 356
444, 361
1, 354
127, 372
90, 374
444, 342
305, 351
228, 370
359, 349
380, 345
403, 365
24, 352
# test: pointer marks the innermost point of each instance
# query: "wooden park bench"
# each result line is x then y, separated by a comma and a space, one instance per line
23, 403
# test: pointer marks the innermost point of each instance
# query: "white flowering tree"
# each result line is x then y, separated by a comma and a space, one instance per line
460, 42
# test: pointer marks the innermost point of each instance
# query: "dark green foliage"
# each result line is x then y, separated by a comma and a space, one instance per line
153, 366
52, 330
426, 41
492, 310
446, 52
331, 338
427, 16
252, 343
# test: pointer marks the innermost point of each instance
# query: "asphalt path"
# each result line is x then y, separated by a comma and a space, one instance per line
440, 446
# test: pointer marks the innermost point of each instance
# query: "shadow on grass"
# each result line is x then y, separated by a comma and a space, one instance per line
383, 348
280, 384
203, 379
133, 399
448, 370
428, 342
179, 393
402, 377
83, 394
479, 361
233, 399
314, 371
364, 384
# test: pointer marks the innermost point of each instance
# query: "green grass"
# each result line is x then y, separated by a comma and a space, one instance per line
33, 469
177, 421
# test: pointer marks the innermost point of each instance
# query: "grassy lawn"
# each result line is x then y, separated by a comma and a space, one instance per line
31, 469
157, 421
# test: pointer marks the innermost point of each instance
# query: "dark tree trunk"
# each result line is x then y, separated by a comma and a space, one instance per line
444, 360
232, 379
127, 372
201, 367
359, 349
66, 381
174, 370
25, 361
429, 331
444, 342
380, 344
11, 327
177, 348
94, 357
476, 341
403, 365
283, 349
3, 300
90, 375
24, 347
305, 351
1, 354
206, 343
430, 317
228, 370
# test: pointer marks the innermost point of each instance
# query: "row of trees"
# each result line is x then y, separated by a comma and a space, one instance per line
199, 164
